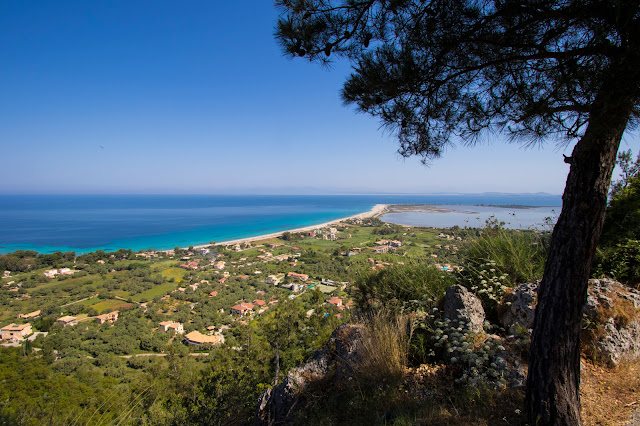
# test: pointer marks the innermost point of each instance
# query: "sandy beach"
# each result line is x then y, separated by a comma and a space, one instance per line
377, 211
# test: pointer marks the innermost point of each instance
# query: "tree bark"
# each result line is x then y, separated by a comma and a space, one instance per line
554, 361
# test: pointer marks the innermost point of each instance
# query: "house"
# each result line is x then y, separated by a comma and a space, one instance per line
335, 301
33, 314
298, 277
193, 265
68, 320
293, 287
177, 328
219, 265
272, 279
259, 302
282, 257
65, 271
6, 274
242, 309
15, 331
164, 325
197, 339
111, 317
381, 249
170, 325
274, 245
213, 293
50, 273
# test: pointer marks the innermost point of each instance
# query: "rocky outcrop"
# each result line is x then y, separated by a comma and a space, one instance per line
463, 306
333, 362
612, 318
518, 308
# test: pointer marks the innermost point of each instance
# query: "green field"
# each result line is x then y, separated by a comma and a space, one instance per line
110, 305
159, 290
175, 273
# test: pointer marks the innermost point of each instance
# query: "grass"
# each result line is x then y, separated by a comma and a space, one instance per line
159, 290
110, 305
609, 395
520, 254
175, 273
384, 347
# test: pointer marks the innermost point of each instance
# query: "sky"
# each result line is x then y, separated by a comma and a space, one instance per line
196, 97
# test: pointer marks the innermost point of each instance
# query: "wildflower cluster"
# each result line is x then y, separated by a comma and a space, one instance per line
480, 356
489, 286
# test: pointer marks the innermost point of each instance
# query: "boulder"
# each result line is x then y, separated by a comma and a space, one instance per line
333, 362
518, 309
465, 307
612, 311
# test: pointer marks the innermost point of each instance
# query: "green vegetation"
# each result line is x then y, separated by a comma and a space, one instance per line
618, 255
131, 372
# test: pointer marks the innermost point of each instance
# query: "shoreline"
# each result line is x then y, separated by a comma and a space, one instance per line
376, 211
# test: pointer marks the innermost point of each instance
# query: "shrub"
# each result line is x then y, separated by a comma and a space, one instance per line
621, 262
519, 254
396, 288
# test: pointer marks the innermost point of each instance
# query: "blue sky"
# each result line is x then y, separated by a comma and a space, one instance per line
196, 97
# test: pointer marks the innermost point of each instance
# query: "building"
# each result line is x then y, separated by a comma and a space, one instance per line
30, 315
170, 325
198, 339
50, 273
6, 274
164, 325
272, 279
68, 320
242, 309
259, 302
335, 301
176, 327
298, 277
219, 265
15, 331
111, 317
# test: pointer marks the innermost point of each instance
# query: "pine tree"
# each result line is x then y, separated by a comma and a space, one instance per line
437, 71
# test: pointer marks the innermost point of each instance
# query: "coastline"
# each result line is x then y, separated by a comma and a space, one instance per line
376, 211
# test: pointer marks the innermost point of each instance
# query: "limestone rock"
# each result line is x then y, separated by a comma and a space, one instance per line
462, 305
334, 361
519, 308
612, 309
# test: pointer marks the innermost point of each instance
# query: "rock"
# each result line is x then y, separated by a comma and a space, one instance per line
618, 344
519, 308
462, 305
612, 309
334, 361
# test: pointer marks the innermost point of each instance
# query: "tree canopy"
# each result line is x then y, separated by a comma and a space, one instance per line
434, 70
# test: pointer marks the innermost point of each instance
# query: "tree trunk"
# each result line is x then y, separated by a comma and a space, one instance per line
554, 362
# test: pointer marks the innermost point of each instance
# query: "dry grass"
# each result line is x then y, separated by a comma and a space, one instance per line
385, 347
609, 395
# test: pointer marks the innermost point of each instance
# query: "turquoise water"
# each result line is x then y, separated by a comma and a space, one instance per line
84, 223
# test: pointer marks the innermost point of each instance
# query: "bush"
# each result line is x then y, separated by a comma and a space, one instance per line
519, 254
621, 262
399, 287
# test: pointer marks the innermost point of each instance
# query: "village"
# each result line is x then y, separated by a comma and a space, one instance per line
200, 296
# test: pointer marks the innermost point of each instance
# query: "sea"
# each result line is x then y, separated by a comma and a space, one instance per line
85, 223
